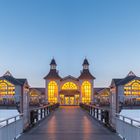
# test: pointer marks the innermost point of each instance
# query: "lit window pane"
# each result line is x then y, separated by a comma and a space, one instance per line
69, 86
6, 88
52, 92
86, 92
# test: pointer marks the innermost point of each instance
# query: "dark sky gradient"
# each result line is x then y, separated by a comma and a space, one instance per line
107, 32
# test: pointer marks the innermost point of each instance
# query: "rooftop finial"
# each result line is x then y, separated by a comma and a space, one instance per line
8, 73
85, 62
131, 73
53, 64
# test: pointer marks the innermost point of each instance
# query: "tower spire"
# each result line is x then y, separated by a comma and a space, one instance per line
53, 64
85, 64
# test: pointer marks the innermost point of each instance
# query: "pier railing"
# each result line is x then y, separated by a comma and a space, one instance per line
37, 114
98, 113
11, 128
127, 128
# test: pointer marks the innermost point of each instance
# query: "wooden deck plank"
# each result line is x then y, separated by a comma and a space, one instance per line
69, 123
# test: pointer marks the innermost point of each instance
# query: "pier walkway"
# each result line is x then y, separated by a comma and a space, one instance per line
69, 123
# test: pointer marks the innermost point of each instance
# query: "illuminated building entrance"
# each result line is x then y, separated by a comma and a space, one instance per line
69, 90
69, 100
66, 99
69, 94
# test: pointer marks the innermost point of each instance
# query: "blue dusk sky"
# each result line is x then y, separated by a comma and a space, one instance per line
107, 32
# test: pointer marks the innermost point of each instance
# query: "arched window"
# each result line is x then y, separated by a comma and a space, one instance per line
6, 88
132, 88
86, 92
136, 86
52, 92
69, 86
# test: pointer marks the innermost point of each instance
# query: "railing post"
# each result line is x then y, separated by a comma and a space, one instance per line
131, 122
41, 113
92, 112
97, 113
106, 117
48, 110
37, 115
44, 112
32, 117
102, 115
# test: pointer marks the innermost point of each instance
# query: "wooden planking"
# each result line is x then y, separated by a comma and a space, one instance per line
69, 123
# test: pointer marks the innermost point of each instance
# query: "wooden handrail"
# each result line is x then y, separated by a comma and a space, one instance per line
50, 105
37, 114
101, 114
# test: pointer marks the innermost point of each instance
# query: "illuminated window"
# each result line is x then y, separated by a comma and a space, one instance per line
52, 92
34, 93
86, 92
62, 99
6, 88
69, 86
132, 88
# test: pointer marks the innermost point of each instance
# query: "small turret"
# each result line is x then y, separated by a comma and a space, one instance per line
53, 64
85, 64
85, 73
53, 74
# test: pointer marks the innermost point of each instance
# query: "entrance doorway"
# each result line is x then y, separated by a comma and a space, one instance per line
72, 102
69, 100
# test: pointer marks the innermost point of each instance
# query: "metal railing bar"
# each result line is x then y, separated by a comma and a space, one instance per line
128, 118
11, 118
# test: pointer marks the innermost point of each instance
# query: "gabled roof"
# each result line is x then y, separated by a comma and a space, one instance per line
22, 81
53, 74
115, 81
126, 80
85, 74
69, 77
131, 73
131, 76
41, 90
8, 73
13, 80
98, 90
